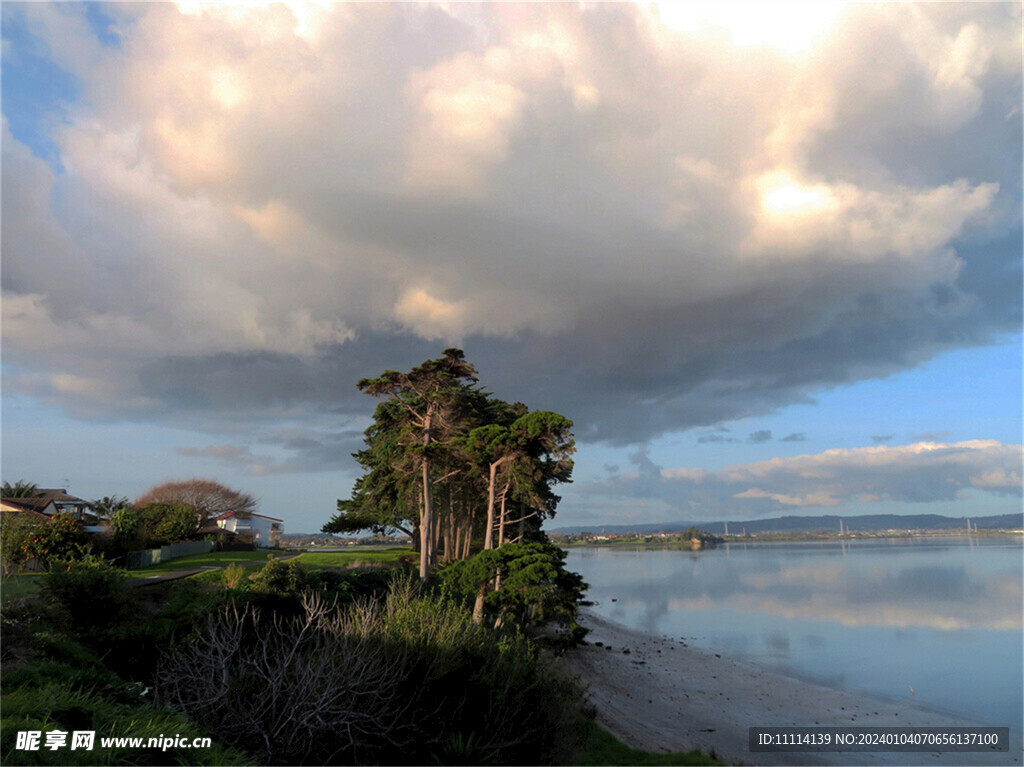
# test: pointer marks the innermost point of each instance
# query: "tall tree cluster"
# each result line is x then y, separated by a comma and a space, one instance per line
455, 468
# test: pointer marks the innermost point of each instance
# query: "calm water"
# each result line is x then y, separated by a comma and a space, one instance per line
941, 616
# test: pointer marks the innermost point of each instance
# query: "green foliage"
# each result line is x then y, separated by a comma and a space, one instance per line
20, 489
108, 505
16, 587
59, 538
52, 681
281, 578
534, 586
16, 531
68, 706
233, 575
439, 448
407, 680
92, 593
126, 525
164, 523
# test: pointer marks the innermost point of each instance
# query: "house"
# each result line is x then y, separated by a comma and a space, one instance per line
52, 501
37, 508
68, 504
262, 530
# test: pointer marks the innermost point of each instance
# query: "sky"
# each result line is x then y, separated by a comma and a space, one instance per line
766, 256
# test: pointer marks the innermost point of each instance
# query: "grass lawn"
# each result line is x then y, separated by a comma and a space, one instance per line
217, 558
254, 560
319, 560
19, 586
604, 748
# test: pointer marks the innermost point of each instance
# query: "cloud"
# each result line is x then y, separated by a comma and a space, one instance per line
291, 451
795, 437
641, 459
879, 439
930, 436
760, 437
258, 205
922, 472
705, 439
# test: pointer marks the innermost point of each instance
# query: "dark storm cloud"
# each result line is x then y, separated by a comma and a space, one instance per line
526, 182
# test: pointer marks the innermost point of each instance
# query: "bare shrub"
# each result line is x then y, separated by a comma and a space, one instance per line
206, 497
316, 689
409, 679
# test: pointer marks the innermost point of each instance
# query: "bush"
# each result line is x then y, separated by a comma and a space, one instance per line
52, 681
16, 530
281, 579
163, 523
409, 680
59, 538
126, 526
233, 575
64, 705
92, 593
524, 584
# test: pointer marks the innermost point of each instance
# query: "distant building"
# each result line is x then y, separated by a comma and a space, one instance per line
65, 503
39, 508
260, 529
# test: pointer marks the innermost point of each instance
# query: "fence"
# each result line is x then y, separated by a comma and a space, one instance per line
147, 557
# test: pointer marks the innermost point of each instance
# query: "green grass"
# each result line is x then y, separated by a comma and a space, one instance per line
601, 747
319, 560
19, 586
216, 558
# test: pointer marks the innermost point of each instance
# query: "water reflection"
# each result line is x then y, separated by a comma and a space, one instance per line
941, 616
874, 587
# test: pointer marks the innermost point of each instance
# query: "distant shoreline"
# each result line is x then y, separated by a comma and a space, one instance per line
658, 694
640, 542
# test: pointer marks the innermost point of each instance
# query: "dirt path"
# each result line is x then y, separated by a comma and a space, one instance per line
660, 695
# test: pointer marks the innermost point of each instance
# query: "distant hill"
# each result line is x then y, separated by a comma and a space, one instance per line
810, 524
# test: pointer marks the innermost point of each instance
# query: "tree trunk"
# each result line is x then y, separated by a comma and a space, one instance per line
435, 539
501, 517
501, 533
478, 605
490, 508
469, 533
426, 521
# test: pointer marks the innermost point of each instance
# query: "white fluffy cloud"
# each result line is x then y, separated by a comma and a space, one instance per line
920, 472
679, 210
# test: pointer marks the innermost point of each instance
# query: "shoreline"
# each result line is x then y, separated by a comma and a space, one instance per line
658, 694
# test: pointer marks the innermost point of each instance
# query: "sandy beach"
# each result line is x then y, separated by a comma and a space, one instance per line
659, 694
